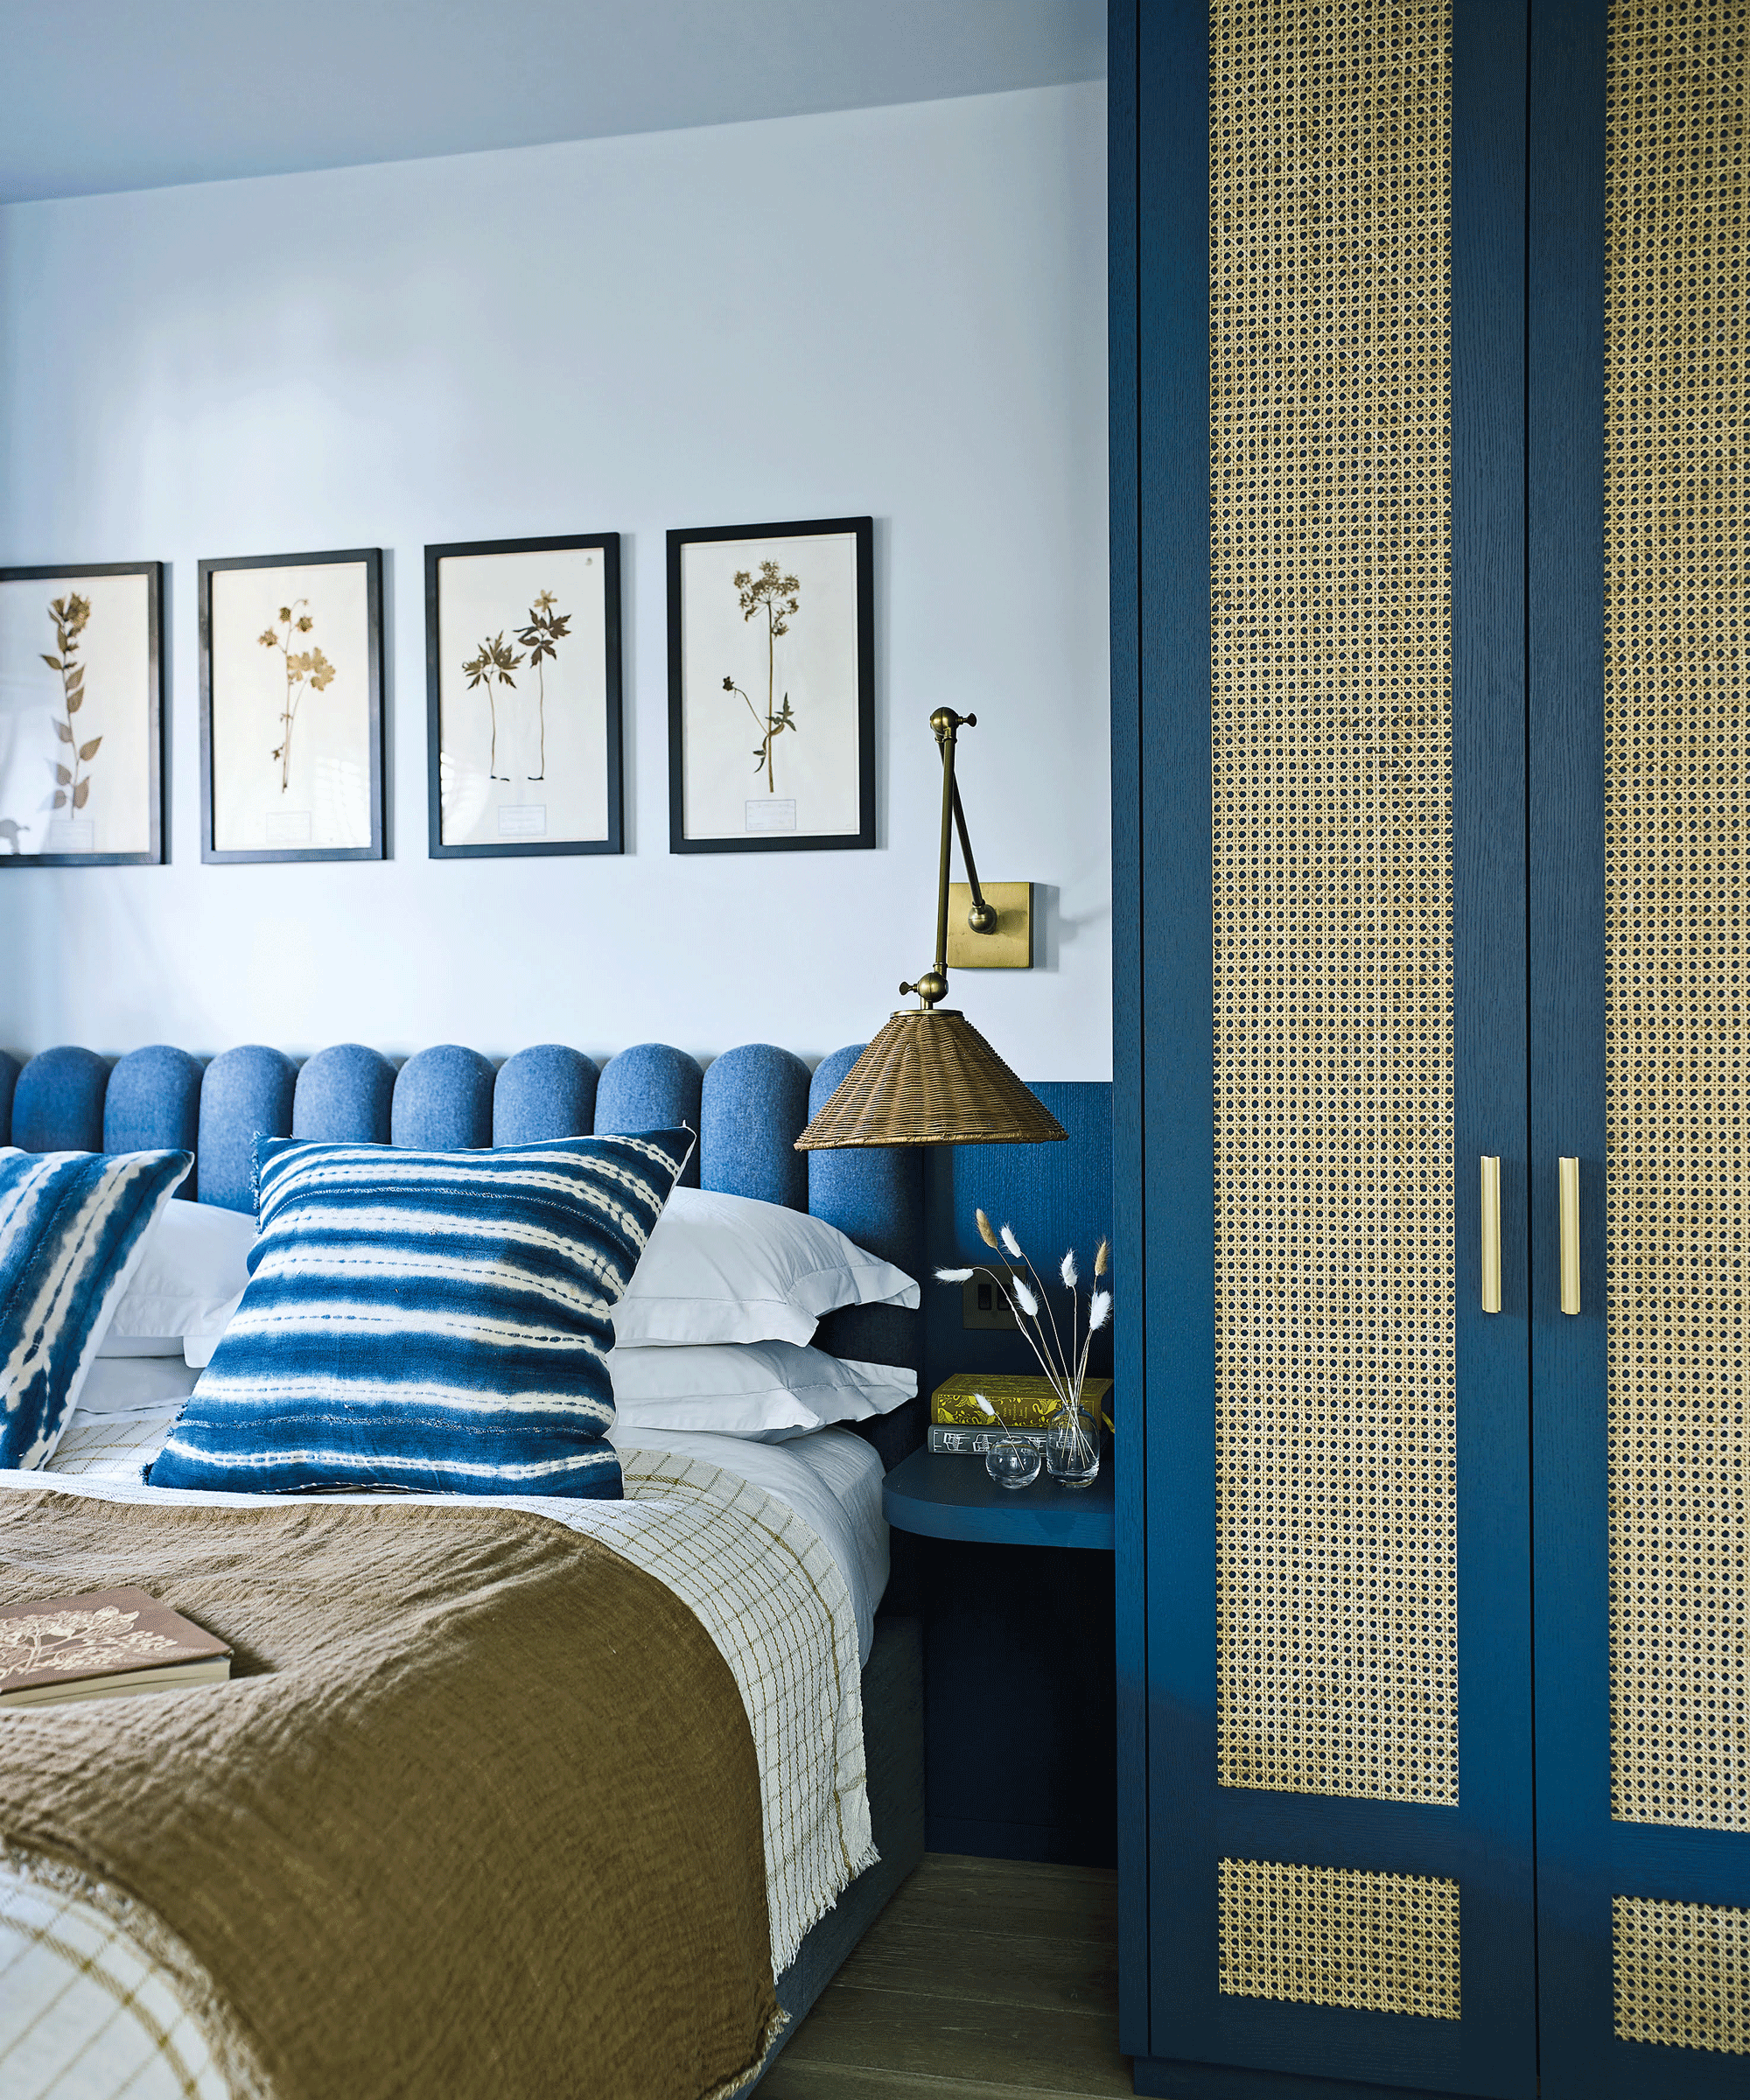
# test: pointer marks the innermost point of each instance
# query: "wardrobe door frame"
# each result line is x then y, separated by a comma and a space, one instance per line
1186, 2037
1585, 1856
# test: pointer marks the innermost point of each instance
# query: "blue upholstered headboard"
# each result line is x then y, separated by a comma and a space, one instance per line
748, 1107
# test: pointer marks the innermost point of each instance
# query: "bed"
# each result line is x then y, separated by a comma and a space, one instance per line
776, 1551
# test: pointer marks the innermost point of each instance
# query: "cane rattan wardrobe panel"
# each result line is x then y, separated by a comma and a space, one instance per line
1682, 1975
1330, 634
1677, 775
1331, 1937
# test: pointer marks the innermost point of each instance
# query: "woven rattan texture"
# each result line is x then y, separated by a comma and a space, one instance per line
1682, 1975
1678, 789
1327, 1936
1331, 659
930, 1078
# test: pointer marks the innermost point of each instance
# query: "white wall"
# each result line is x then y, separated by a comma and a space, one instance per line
896, 310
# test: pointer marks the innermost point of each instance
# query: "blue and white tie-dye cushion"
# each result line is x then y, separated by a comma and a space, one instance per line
436, 1322
73, 1230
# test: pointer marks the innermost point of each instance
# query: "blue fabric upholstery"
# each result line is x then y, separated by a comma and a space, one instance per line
545, 1091
70, 1230
438, 1322
875, 1196
652, 1087
154, 1103
745, 1112
58, 1105
344, 1095
245, 1094
443, 1101
753, 1109
9, 1069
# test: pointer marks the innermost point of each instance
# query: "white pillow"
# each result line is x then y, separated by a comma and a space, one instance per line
134, 1385
770, 1390
721, 1268
188, 1281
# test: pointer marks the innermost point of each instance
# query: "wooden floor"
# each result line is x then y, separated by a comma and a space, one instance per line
984, 1979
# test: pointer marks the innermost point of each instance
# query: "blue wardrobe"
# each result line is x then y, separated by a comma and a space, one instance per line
1431, 359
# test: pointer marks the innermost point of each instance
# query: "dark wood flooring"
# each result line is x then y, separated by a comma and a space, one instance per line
984, 1979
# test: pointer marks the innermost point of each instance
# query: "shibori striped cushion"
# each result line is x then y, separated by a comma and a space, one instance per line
73, 1229
437, 1322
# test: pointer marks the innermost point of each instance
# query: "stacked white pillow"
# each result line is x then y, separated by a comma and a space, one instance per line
713, 1329
186, 1286
711, 1334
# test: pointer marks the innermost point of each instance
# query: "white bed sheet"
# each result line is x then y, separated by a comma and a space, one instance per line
830, 1478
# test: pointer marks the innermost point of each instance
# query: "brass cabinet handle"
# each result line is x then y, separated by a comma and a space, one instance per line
1491, 1232
1569, 1183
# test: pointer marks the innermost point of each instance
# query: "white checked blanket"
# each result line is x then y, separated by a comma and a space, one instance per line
85, 2014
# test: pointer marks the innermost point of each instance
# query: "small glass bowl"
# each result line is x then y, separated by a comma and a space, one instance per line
1014, 1462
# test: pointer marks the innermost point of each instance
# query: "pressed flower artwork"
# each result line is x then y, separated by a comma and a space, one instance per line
80, 714
292, 707
770, 687
522, 687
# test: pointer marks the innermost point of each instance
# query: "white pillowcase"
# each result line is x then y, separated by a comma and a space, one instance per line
187, 1284
730, 1269
768, 1389
134, 1385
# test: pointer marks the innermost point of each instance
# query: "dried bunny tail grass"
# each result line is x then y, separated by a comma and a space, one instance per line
1013, 1244
1102, 1258
954, 1275
1067, 1271
985, 1231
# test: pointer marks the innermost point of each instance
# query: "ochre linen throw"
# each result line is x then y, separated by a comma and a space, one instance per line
478, 1813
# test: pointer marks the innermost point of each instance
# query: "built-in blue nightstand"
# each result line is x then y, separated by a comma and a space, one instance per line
945, 1495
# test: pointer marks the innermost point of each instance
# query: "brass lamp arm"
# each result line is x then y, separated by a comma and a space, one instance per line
932, 987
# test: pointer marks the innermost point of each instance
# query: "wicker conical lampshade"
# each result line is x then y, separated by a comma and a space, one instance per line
929, 1078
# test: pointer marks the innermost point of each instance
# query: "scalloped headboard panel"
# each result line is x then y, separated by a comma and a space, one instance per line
748, 1108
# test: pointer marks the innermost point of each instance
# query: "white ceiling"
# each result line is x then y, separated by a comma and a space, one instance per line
124, 95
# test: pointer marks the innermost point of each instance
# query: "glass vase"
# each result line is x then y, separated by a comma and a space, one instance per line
1012, 1462
1072, 1450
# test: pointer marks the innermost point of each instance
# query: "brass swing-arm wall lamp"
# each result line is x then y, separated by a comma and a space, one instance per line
929, 1077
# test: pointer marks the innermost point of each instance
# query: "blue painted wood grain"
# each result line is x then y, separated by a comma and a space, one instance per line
1564, 548
1170, 1334
946, 1495
1130, 1521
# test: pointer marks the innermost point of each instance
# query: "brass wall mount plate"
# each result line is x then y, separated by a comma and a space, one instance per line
1010, 946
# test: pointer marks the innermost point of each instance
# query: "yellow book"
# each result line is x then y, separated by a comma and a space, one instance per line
1020, 1402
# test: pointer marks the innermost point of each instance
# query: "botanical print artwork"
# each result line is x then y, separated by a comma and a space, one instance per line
70, 614
768, 643
290, 708
546, 629
305, 670
775, 595
77, 715
521, 693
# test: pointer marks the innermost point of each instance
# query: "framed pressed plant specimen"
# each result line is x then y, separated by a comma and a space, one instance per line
772, 687
522, 697
81, 715
292, 707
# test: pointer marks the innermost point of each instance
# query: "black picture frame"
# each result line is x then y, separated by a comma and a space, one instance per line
863, 531
371, 560
157, 851
607, 544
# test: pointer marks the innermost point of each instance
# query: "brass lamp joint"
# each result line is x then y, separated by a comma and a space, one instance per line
932, 987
